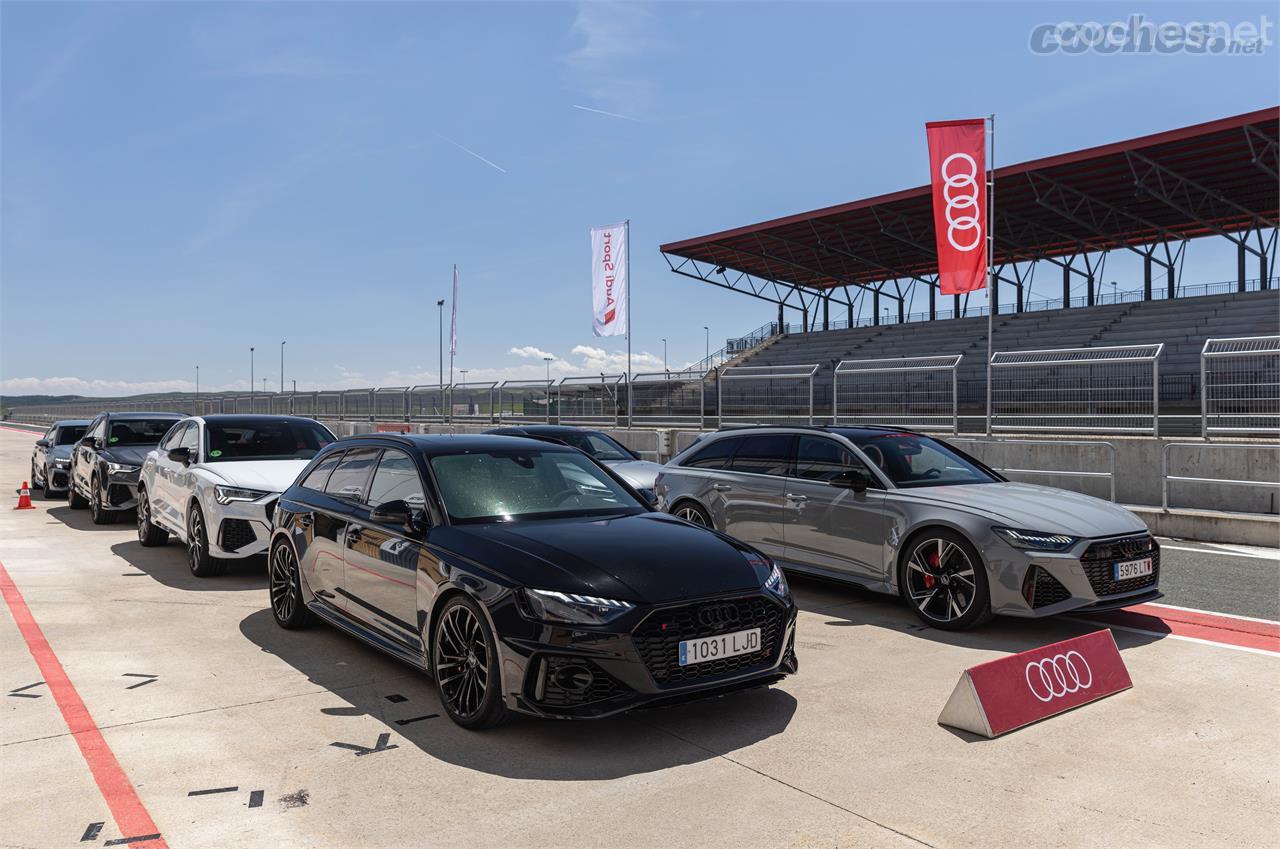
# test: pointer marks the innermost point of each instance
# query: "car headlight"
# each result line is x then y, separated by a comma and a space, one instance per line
121, 468
571, 608
61, 464
228, 494
776, 583
1036, 540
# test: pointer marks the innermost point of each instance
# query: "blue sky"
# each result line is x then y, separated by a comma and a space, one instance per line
182, 181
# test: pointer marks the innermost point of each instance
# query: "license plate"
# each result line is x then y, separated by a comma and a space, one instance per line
1133, 568
720, 646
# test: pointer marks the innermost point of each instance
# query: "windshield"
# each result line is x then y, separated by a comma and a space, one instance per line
266, 439
911, 460
505, 486
69, 434
603, 448
138, 431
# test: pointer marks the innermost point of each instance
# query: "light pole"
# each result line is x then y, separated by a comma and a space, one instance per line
281, 367
548, 360
264, 386
197, 384
707, 358
440, 310
1115, 299
251, 377
664, 354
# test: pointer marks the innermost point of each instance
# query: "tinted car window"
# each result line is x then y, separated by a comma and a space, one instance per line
819, 459
598, 445
173, 437
767, 454
69, 434
319, 476
267, 439
396, 479
190, 438
349, 478
912, 460
99, 430
138, 431
714, 456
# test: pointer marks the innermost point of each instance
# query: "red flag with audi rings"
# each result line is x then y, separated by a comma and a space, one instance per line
957, 170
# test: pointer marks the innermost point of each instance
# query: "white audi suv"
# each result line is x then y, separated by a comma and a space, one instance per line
214, 480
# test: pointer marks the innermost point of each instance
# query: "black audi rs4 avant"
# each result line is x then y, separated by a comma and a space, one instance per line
524, 576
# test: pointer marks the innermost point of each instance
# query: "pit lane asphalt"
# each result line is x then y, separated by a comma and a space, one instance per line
1242, 582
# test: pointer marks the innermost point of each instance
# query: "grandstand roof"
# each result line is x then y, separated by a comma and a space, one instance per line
1213, 178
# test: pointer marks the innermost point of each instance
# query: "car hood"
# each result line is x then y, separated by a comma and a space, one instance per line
266, 475
59, 452
647, 557
131, 455
1032, 507
639, 473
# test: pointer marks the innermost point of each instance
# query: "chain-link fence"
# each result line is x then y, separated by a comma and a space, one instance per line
1112, 389
670, 398
917, 392
525, 400
1240, 386
475, 402
428, 402
592, 400
776, 394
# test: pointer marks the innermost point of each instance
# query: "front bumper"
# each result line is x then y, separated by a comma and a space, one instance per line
242, 528
122, 490
569, 673
58, 478
1037, 583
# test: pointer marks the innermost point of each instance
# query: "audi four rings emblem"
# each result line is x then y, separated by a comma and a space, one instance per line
960, 191
718, 615
1053, 677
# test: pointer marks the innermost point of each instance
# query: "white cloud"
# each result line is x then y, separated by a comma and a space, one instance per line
92, 388
530, 352
612, 36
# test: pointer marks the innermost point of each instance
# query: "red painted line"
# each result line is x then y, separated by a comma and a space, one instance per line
122, 799
22, 430
1211, 627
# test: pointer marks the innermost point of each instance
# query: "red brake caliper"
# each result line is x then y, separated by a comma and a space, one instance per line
929, 580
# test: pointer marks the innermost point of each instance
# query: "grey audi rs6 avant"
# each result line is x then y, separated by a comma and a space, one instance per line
524, 576
899, 512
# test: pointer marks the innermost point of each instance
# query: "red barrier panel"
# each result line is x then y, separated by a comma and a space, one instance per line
393, 428
996, 697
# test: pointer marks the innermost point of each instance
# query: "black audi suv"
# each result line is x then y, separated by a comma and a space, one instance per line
104, 465
525, 577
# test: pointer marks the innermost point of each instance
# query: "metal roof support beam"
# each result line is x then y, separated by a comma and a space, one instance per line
1263, 151
1099, 217
816, 274
742, 282
847, 251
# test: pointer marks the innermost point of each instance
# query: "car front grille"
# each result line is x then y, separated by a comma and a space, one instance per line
1099, 561
236, 534
658, 637
573, 682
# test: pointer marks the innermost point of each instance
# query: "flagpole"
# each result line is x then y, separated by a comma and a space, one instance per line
453, 338
991, 256
627, 231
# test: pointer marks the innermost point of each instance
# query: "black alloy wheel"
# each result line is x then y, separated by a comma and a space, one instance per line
48, 487
202, 563
150, 534
286, 589
465, 660
97, 508
944, 581
36, 483
74, 499
692, 513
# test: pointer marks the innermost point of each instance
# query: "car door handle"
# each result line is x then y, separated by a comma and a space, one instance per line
795, 497
721, 487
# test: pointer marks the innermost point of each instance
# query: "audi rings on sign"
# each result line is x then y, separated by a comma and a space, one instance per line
1054, 677
960, 190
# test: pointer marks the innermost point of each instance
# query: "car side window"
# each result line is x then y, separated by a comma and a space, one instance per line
99, 429
350, 478
714, 456
819, 459
319, 476
51, 435
766, 454
396, 479
190, 438
171, 438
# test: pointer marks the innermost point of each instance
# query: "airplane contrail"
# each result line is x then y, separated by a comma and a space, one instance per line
602, 112
466, 149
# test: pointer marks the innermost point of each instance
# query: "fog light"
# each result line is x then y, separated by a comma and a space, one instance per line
574, 679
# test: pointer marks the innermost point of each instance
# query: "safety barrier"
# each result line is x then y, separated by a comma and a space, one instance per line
525, 400
1165, 477
473, 402
917, 392
592, 400
766, 394
1113, 389
669, 398
1240, 386
428, 402
1109, 475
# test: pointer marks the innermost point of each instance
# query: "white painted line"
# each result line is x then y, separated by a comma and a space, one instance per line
1214, 613
1164, 636
1219, 553
1255, 550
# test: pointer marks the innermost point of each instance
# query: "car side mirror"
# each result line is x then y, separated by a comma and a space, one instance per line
396, 513
88, 442
650, 497
180, 455
855, 479
42, 443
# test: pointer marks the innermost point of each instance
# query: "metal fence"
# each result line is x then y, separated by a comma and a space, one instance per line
427, 402
766, 394
525, 400
592, 400
1240, 386
1267, 480
1088, 457
677, 398
1113, 389
915, 392
475, 401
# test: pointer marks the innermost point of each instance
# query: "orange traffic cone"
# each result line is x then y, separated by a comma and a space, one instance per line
24, 498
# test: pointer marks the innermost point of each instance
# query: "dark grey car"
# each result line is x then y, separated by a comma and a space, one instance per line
51, 457
900, 512
105, 463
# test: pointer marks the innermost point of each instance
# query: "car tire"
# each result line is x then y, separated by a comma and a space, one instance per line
48, 492
943, 579
464, 657
97, 512
288, 606
692, 512
33, 483
74, 499
199, 560
150, 535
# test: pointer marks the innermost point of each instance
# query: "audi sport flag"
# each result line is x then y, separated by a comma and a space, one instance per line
957, 170
609, 280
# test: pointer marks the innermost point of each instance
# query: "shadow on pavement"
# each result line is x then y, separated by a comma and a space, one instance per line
525, 748
167, 565
80, 520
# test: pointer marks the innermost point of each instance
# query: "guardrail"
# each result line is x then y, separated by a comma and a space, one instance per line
766, 394
1110, 474
905, 391
1240, 386
1165, 477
